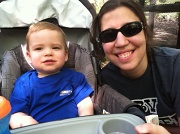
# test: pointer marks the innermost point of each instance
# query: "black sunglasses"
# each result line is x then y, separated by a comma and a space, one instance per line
128, 30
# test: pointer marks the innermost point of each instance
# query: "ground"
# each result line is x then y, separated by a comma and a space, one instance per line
165, 32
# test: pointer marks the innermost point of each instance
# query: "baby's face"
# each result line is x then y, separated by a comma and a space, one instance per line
47, 52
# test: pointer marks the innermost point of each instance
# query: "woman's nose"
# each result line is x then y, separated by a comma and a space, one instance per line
121, 40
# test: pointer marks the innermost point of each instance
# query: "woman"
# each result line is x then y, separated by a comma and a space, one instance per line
147, 76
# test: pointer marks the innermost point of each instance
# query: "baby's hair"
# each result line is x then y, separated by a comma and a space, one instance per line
42, 26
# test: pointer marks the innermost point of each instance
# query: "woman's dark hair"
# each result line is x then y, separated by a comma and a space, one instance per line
109, 6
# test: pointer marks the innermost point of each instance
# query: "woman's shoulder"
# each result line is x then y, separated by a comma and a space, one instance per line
167, 59
165, 51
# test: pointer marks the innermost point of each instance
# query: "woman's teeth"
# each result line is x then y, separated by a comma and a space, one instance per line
125, 55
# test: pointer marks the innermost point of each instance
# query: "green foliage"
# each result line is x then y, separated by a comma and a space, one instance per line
147, 2
99, 3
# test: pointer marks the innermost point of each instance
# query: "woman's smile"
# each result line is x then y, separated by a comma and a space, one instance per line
125, 55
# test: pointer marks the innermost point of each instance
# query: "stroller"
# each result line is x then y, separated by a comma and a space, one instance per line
16, 16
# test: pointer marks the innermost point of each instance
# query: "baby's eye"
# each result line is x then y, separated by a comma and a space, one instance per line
56, 47
38, 48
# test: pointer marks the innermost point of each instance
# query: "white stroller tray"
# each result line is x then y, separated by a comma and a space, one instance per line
98, 124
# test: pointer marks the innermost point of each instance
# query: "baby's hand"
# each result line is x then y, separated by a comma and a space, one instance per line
27, 120
21, 119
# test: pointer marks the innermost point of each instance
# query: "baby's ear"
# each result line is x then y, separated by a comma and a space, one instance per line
28, 57
66, 59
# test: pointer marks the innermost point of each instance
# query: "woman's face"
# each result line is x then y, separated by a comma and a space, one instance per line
127, 53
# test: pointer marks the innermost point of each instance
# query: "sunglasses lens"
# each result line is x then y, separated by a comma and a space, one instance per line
131, 29
127, 30
108, 35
